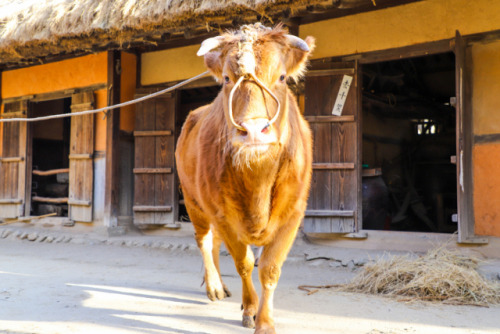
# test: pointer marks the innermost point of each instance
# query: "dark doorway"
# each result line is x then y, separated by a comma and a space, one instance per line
191, 99
409, 145
50, 158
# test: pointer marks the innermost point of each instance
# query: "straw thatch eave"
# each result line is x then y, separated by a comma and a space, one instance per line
31, 31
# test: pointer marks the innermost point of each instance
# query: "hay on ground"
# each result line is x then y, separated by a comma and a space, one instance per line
439, 275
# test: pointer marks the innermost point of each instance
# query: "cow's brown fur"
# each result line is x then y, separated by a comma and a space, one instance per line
242, 194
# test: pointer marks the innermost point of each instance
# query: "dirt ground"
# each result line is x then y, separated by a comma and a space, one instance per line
129, 287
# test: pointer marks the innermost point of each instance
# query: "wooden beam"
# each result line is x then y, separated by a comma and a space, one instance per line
50, 172
152, 170
152, 133
330, 119
12, 159
112, 183
79, 202
80, 156
329, 213
333, 165
150, 208
333, 71
55, 200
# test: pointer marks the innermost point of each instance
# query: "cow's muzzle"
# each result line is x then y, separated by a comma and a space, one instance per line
249, 76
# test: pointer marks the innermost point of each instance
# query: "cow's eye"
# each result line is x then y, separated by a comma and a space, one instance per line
282, 78
226, 79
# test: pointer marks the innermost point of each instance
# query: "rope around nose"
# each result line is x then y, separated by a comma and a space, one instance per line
261, 84
95, 111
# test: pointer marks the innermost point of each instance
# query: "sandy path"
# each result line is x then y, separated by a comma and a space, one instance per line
70, 288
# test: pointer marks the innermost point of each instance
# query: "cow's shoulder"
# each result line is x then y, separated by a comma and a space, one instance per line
194, 118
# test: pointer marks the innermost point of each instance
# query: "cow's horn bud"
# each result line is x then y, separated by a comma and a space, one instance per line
298, 43
210, 44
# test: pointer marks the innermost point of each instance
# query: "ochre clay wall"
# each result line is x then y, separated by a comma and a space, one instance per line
486, 118
72, 73
419, 22
171, 65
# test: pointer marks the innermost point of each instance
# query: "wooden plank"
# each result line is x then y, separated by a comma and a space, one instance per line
152, 170
144, 158
10, 201
17, 114
153, 133
464, 133
152, 208
333, 165
13, 166
417, 50
329, 213
112, 185
80, 156
79, 202
50, 172
81, 169
329, 119
164, 158
57, 200
328, 72
11, 159
338, 225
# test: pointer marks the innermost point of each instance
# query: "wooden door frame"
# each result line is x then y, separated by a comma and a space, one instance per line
30, 99
465, 205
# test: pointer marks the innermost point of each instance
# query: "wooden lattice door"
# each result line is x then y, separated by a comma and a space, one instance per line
81, 159
332, 109
13, 161
154, 178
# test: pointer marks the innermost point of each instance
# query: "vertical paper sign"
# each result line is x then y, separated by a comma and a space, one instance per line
342, 95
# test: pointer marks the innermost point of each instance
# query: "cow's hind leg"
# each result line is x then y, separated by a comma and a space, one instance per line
244, 261
205, 241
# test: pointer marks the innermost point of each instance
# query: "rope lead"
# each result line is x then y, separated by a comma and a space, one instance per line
95, 111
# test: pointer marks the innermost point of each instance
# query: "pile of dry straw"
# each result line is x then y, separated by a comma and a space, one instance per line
439, 275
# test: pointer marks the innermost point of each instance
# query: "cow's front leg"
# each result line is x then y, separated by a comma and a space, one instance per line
215, 255
214, 285
244, 261
273, 256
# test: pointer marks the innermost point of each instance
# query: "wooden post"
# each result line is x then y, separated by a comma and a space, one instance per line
112, 186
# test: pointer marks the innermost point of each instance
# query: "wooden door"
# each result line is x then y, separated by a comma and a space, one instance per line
465, 214
13, 162
81, 159
154, 178
335, 199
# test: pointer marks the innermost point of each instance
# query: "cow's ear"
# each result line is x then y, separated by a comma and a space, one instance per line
297, 57
213, 62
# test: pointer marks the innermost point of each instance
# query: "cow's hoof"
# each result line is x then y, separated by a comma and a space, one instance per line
227, 293
249, 321
214, 295
265, 331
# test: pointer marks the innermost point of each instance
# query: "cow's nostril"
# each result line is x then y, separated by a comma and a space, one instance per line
266, 128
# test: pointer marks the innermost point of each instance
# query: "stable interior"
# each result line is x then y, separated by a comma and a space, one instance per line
50, 158
190, 99
409, 145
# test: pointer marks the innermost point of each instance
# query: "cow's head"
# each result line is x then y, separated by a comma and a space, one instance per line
253, 64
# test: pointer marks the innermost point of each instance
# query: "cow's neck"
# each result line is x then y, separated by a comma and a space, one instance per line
255, 187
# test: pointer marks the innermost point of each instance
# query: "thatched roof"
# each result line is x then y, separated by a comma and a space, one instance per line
31, 30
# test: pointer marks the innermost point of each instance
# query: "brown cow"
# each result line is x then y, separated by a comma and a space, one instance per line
245, 161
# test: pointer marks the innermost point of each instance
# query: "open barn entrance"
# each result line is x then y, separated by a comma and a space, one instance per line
50, 149
190, 99
409, 144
